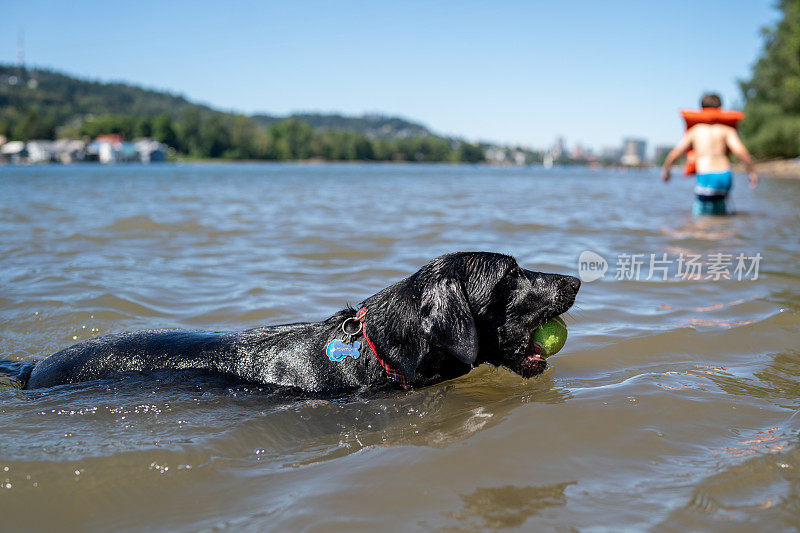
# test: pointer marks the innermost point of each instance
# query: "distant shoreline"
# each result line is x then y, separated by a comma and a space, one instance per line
779, 168
320, 162
771, 168
775, 168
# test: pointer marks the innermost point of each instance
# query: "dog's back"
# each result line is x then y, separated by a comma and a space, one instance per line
274, 355
144, 351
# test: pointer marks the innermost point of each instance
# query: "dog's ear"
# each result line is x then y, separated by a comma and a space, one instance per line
447, 320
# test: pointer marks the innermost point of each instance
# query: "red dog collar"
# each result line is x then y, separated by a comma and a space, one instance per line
394, 374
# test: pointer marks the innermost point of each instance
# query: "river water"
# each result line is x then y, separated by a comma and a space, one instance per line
672, 407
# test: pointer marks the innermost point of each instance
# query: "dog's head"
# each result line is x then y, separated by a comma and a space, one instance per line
483, 307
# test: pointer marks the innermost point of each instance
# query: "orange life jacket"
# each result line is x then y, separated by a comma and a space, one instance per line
707, 115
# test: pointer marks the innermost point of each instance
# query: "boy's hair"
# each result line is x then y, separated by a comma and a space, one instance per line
711, 100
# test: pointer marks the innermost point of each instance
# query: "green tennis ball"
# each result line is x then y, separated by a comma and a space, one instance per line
551, 336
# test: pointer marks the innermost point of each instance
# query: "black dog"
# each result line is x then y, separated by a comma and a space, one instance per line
459, 310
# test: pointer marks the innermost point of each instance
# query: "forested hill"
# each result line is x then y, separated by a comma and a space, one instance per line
372, 125
43, 104
61, 99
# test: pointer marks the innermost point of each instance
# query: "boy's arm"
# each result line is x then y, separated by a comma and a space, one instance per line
684, 144
739, 150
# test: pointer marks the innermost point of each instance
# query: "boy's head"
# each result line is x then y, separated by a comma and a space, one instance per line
711, 100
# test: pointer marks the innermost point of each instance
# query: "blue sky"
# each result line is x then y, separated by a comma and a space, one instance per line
513, 71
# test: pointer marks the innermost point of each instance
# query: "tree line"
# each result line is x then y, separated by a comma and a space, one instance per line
221, 135
772, 126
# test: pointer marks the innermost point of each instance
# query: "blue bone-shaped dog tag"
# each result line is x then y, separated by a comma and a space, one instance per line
337, 350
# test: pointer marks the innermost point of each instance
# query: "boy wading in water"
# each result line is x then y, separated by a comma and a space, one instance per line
712, 143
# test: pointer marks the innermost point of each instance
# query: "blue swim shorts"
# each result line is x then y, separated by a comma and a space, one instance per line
714, 184
711, 191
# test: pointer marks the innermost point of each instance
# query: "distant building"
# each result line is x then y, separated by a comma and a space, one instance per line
121, 152
40, 151
582, 153
62, 150
111, 148
495, 155
611, 154
559, 148
503, 155
105, 148
110, 138
151, 151
634, 152
14, 152
69, 150
114, 149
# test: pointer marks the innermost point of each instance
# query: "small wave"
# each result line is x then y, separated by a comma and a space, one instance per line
340, 252
126, 306
144, 224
